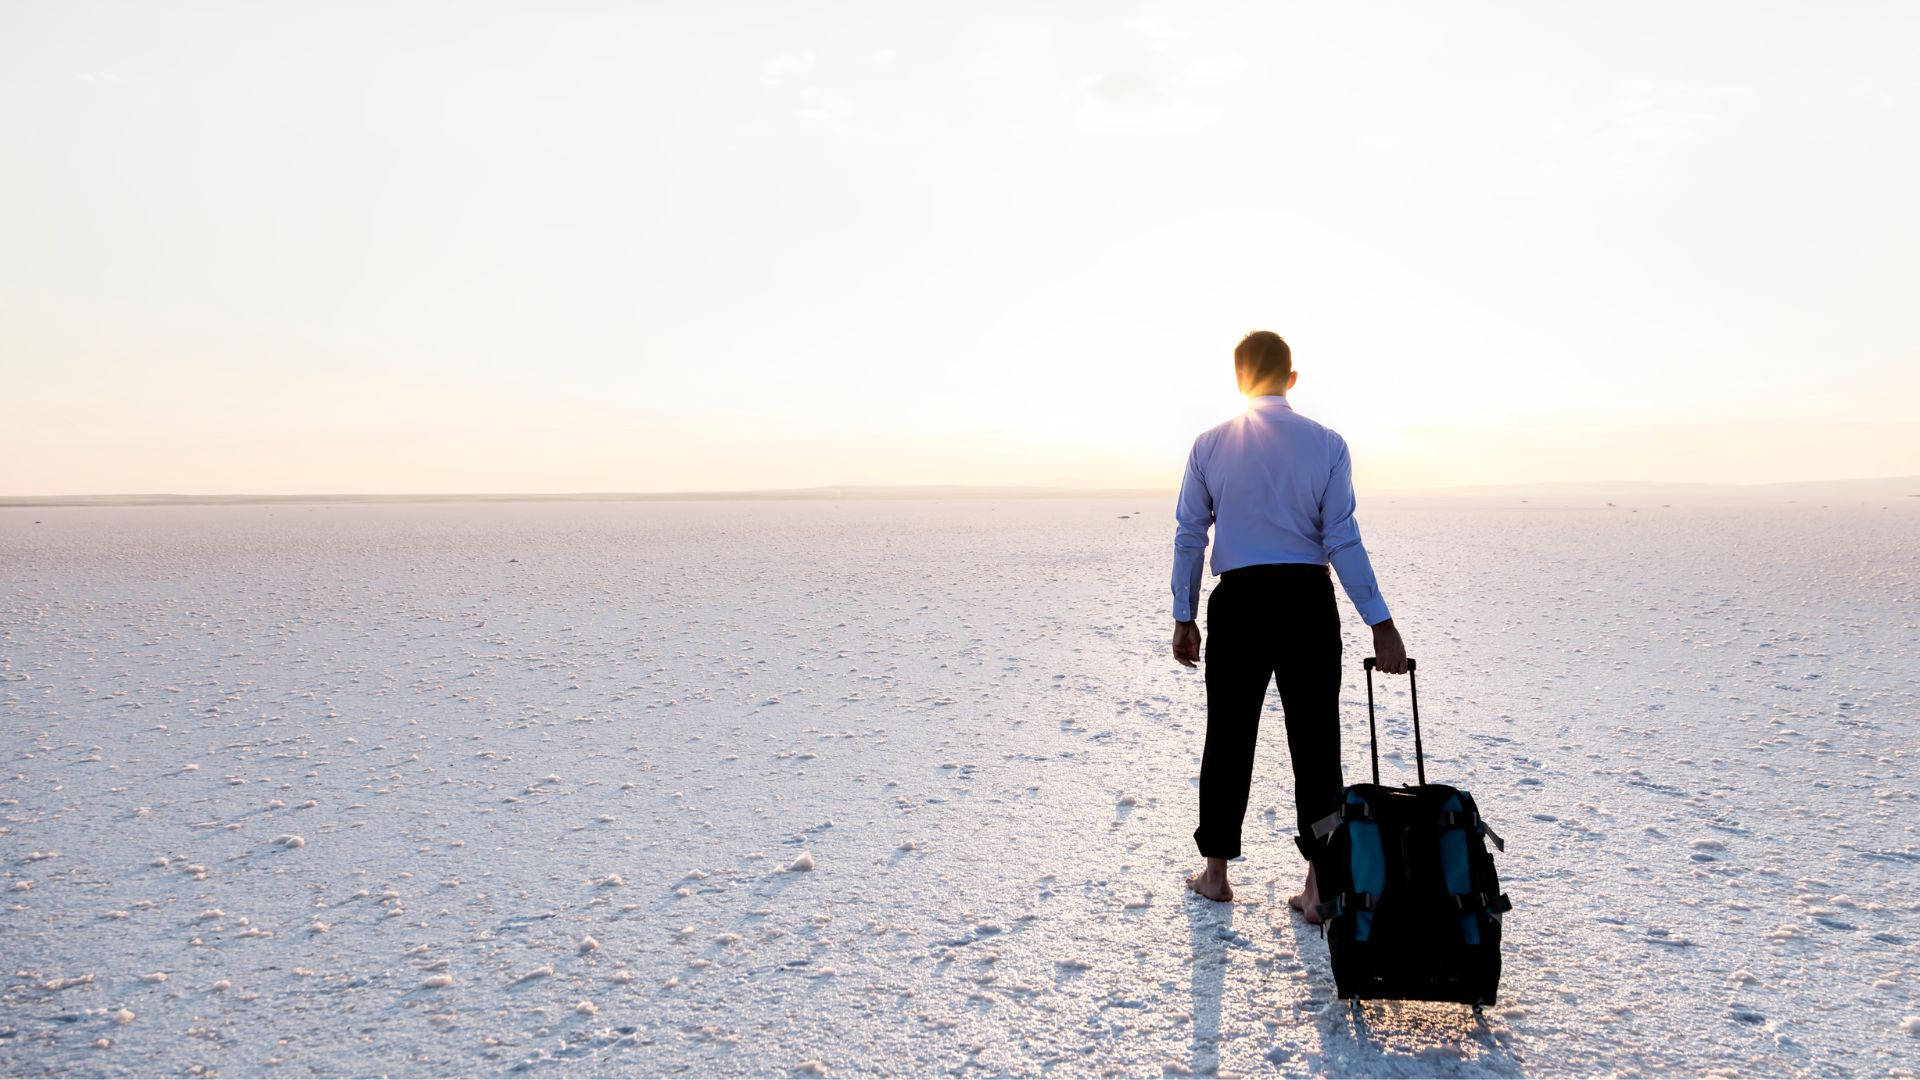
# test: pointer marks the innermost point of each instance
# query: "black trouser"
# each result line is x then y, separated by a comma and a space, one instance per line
1278, 621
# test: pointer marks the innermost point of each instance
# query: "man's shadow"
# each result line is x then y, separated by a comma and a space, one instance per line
1212, 935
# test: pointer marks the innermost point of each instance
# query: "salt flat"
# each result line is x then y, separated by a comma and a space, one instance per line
908, 787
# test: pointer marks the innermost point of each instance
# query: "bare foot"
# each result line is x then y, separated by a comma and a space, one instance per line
1307, 900
1212, 882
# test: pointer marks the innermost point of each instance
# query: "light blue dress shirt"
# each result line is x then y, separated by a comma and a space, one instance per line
1277, 488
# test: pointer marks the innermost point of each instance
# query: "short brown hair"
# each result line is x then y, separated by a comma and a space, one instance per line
1263, 356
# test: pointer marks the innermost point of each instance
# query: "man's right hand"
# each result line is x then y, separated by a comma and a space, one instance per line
1389, 652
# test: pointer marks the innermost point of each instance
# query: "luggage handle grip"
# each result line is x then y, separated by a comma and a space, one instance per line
1373, 735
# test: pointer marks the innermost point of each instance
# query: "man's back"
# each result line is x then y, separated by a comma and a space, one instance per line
1276, 487
1267, 471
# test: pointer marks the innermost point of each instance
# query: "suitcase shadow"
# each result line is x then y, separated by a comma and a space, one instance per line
1416, 1038
1380, 1038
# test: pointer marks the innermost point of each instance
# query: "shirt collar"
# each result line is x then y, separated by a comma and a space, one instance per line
1270, 400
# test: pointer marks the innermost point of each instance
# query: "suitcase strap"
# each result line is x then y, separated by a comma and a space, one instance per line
1468, 820
1468, 903
1360, 811
1350, 811
1492, 905
1346, 903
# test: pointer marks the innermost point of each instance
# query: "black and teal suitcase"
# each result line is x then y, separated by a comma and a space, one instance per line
1412, 905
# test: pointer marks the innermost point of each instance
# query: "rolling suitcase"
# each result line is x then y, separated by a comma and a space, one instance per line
1412, 903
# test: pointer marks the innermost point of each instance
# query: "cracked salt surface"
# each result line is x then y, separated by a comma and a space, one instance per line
908, 787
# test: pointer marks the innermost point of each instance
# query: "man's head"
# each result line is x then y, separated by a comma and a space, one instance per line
1264, 364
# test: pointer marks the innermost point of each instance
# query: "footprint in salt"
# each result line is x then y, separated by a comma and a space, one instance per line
1706, 850
1072, 966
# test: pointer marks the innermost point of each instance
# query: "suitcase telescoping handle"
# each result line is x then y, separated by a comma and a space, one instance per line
1373, 736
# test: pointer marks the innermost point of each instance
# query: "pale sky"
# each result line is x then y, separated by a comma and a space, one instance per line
280, 248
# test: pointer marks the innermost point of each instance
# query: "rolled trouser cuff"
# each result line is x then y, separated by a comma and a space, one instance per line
1214, 849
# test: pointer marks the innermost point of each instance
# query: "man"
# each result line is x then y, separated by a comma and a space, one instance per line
1277, 488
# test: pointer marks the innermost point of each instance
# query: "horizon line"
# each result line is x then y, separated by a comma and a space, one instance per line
906, 491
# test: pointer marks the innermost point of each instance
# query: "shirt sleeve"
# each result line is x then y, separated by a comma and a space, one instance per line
1340, 536
1193, 514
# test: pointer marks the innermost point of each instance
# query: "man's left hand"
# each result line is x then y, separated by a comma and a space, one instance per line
1186, 643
